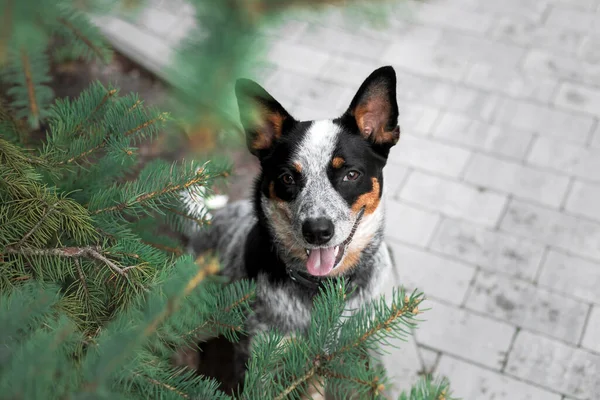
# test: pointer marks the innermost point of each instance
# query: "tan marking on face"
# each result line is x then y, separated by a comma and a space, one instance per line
369, 200
298, 167
337, 162
272, 194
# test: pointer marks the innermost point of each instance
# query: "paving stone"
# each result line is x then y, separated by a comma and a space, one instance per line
543, 62
409, 224
591, 339
491, 250
485, 137
555, 365
347, 70
578, 98
544, 120
471, 382
429, 358
449, 17
430, 155
584, 200
571, 275
473, 103
588, 5
160, 22
590, 49
402, 364
285, 85
596, 136
552, 227
416, 118
480, 48
421, 59
444, 329
566, 158
453, 198
295, 57
138, 43
514, 8
401, 358
566, 17
522, 304
394, 176
522, 181
342, 42
511, 82
288, 28
529, 32
436, 276
414, 88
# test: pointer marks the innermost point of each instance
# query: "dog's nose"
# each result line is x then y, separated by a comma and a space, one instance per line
318, 231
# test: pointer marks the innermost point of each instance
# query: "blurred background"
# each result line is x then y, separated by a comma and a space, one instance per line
493, 190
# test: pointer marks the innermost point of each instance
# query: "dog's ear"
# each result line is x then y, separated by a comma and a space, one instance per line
261, 115
375, 108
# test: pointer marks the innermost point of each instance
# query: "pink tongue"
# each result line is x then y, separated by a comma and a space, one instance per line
320, 261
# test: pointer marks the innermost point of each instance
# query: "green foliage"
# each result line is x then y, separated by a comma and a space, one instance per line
95, 297
25, 39
68, 217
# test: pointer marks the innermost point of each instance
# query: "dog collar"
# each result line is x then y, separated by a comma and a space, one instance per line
310, 281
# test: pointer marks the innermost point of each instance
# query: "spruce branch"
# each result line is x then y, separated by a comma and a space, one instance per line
300, 381
6, 28
68, 252
206, 269
33, 105
162, 117
49, 210
79, 35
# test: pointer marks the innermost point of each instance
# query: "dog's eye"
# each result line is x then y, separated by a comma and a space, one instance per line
351, 176
288, 179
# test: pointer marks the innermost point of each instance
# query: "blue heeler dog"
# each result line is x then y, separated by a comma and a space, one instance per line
317, 210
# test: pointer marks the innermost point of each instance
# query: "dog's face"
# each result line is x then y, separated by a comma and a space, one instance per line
322, 181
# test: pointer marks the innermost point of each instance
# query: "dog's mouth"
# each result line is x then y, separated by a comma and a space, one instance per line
321, 261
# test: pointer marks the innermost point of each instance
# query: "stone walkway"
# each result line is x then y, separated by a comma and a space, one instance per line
494, 188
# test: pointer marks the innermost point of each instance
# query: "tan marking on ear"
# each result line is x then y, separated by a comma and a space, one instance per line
369, 200
337, 162
267, 130
371, 118
298, 167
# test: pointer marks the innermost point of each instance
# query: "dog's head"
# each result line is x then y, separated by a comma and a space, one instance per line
322, 181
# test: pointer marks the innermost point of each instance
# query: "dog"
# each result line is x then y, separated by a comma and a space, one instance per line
317, 209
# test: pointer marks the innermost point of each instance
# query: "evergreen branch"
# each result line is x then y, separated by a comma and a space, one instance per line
175, 250
82, 37
7, 19
48, 211
408, 308
104, 99
160, 118
375, 385
33, 106
152, 195
67, 252
164, 385
210, 268
301, 380
81, 277
199, 221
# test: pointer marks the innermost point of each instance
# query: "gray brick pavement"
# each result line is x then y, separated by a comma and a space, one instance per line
494, 189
